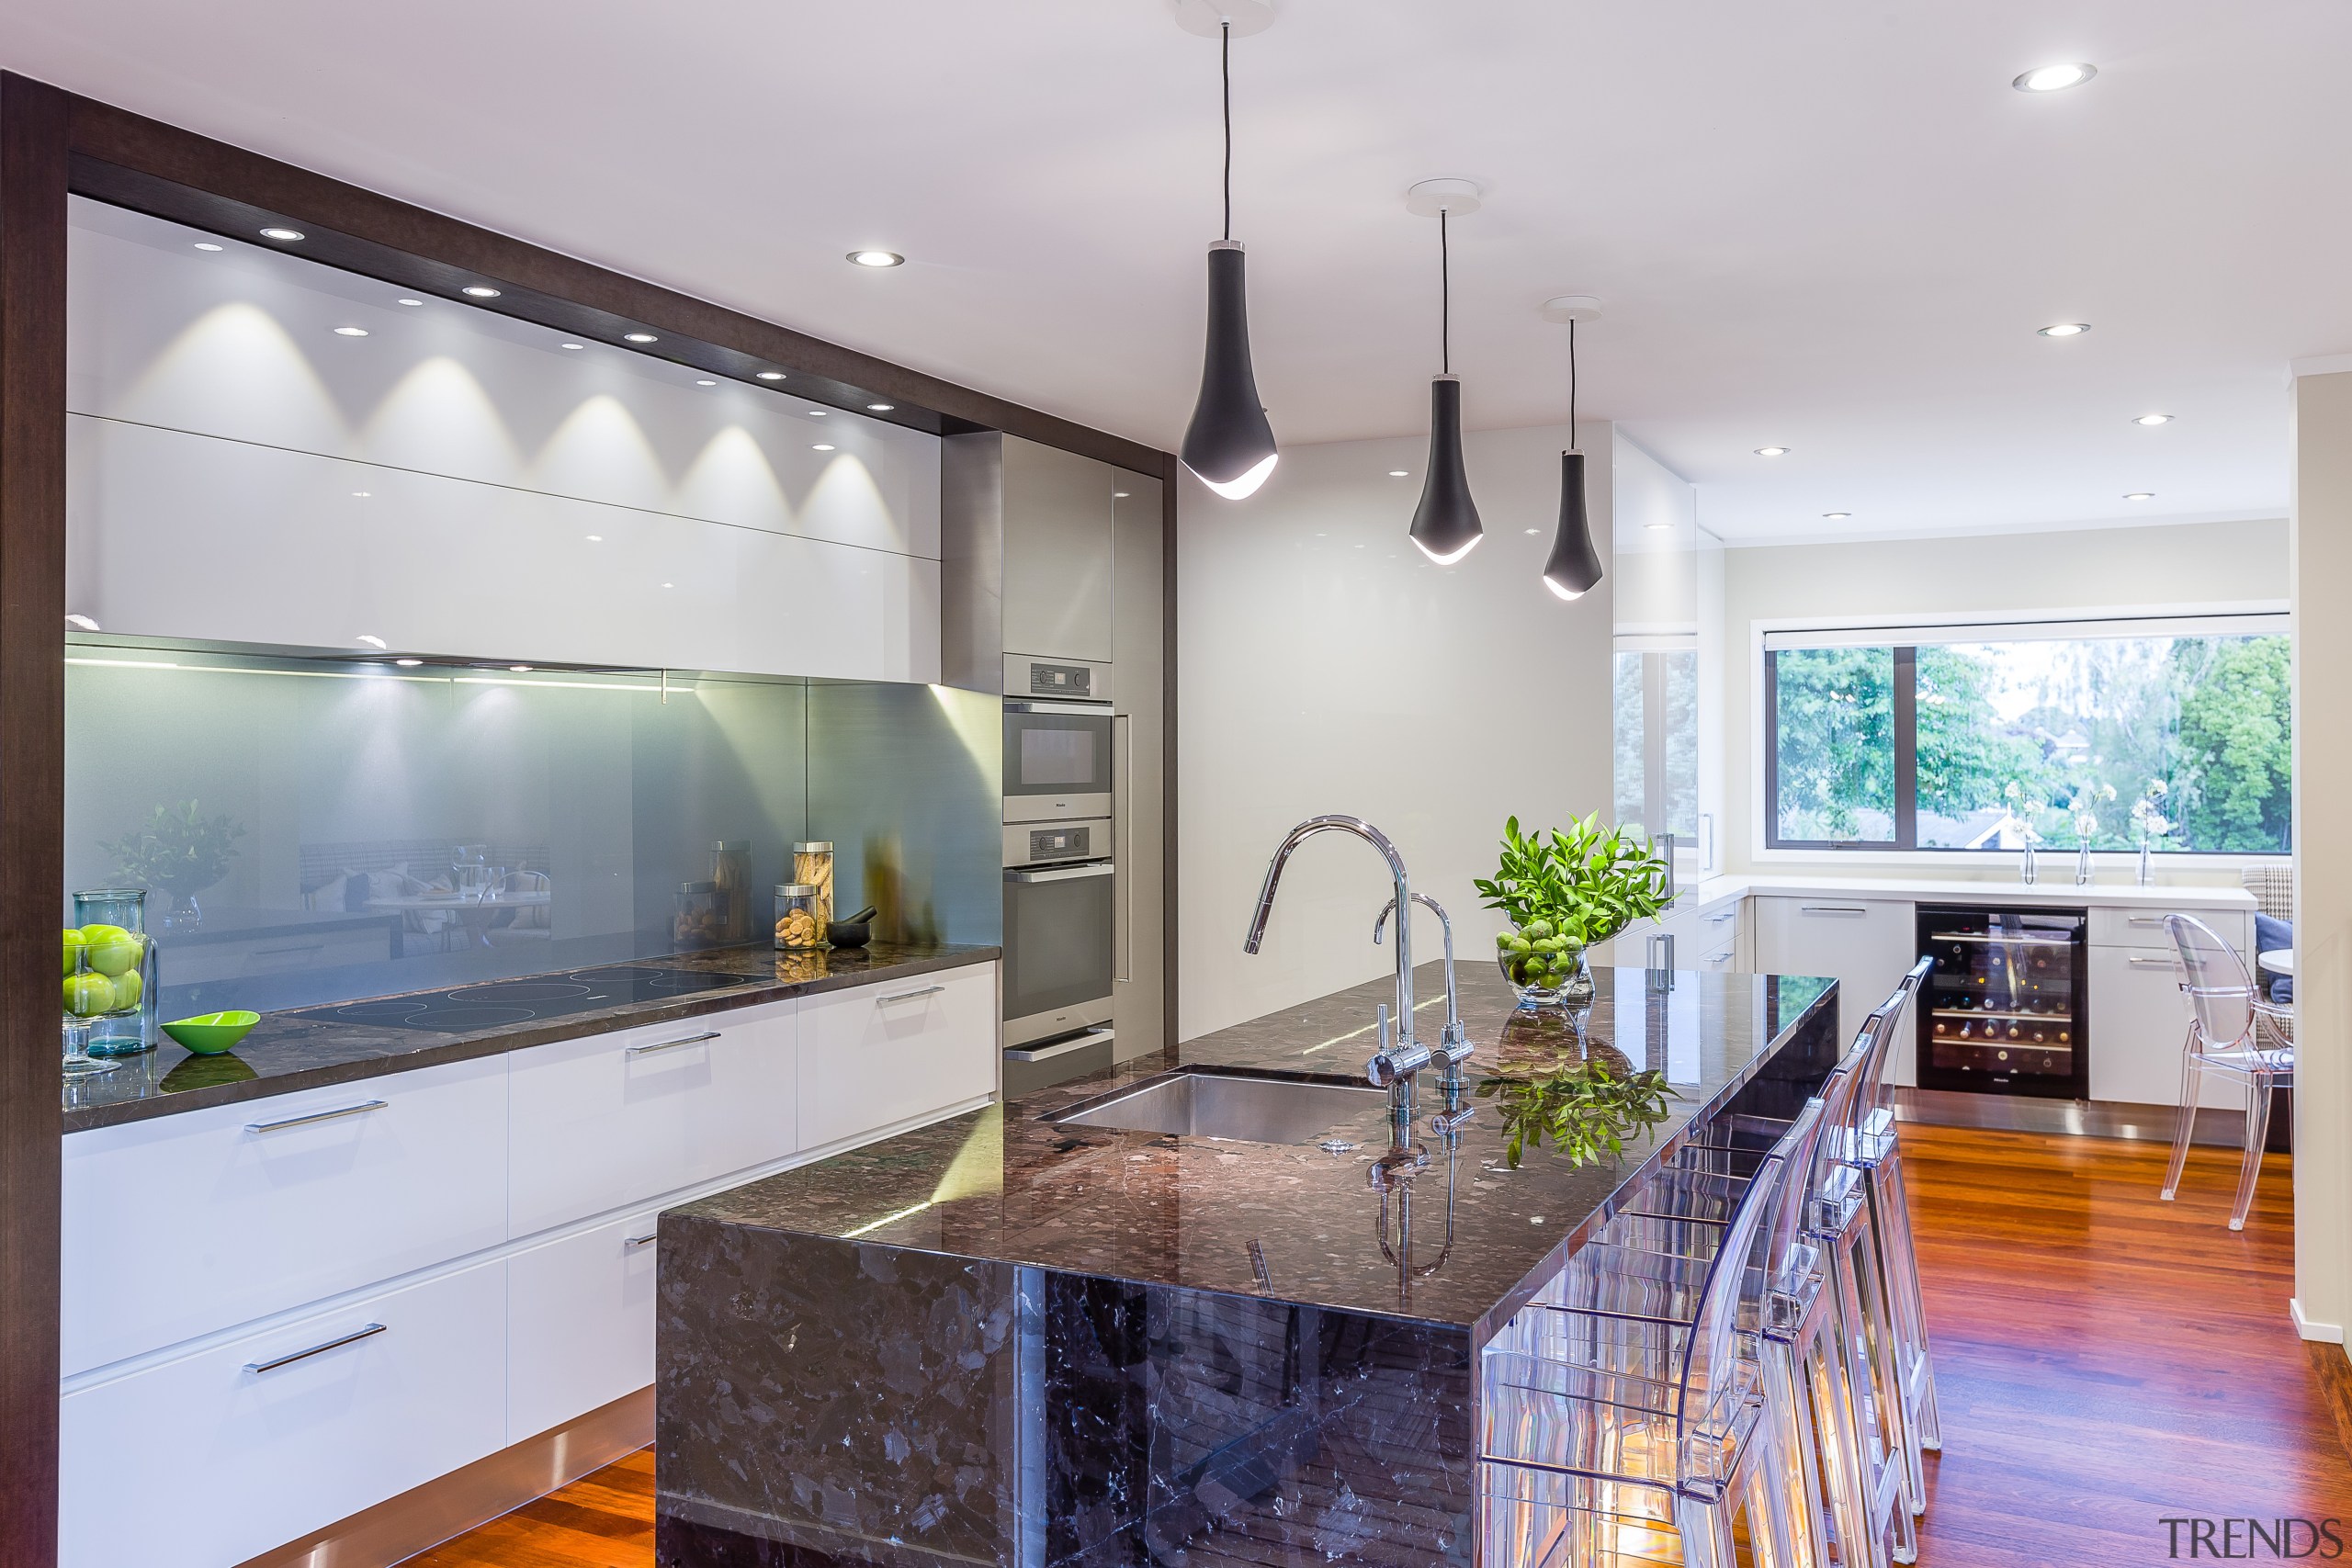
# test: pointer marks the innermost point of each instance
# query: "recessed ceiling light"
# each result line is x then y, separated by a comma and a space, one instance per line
669, 585
2054, 78
479, 291
817, 413
1539, 530
351, 332
820, 447
405, 300
771, 375
2066, 328
281, 233
638, 337
2142, 495
702, 383
596, 538
371, 641
1120, 494
876, 258
408, 663
206, 245
520, 669
571, 345
2153, 419
1771, 451
880, 408
1396, 473
1834, 516
361, 494
83, 621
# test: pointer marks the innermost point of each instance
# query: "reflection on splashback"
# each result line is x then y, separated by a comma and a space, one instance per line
362, 830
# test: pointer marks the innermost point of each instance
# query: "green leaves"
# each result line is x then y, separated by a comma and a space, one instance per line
1586, 1110
1586, 881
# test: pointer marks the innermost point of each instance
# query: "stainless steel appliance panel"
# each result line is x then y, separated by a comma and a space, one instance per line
1059, 760
1031, 679
1050, 843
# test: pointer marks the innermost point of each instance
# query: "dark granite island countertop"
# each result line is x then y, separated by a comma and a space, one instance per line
1005, 1339
299, 1049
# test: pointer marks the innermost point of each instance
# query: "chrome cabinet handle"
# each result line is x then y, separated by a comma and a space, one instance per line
910, 996
2149, 961
1126, 888
1035, 705
258, 1368
1726, 915
670, 1045
1063, 873
2143, 919
1831, 909
632, 1242
284, 1122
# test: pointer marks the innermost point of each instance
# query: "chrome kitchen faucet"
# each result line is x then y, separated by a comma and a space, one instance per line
1393, 1065
1454, 1041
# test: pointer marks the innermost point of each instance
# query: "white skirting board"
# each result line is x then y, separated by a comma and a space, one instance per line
2325, 1332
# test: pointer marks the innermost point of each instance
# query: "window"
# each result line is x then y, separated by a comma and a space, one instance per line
1993, 737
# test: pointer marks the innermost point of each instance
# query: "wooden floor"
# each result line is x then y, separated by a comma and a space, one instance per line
2106, 1361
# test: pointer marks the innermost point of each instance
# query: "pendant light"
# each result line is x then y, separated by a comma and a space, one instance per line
1445, 525
1229, 445
1574, 565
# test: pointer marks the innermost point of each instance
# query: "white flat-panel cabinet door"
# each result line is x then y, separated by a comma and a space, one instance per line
187, 1225
1867, 943
2139, 1027
882, 1054
579, 1323
222, 1455
618, 1118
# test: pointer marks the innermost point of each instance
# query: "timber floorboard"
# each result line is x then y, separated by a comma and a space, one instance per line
2104, 1361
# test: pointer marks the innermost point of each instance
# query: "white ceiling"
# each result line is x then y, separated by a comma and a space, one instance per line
1832, 226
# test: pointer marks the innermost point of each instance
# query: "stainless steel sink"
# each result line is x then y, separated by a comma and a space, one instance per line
1202, 1104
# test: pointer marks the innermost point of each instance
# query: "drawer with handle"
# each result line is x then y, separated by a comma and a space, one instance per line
579, 1322
183, 1225
882, 1054
2130, 927
613, 1119
220, 1455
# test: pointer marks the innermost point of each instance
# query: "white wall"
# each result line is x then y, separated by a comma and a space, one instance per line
1325, 666
457, 483
2090, 570
2322, 543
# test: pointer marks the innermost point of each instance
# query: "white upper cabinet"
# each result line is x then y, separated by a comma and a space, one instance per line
267, 450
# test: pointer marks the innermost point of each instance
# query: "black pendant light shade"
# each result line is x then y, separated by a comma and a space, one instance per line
1229, 444
1446, 522
1574, 566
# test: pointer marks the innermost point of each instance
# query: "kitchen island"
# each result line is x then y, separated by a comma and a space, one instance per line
1004, 1338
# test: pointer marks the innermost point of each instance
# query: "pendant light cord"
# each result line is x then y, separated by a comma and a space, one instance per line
1225, 68
1444, 300
1572, 383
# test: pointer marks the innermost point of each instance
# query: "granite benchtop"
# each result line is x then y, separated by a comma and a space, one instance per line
286, 1052
1463, 1243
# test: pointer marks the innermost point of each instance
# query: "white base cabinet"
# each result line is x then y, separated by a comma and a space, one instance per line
220, 1455
280, 1313
1866, 943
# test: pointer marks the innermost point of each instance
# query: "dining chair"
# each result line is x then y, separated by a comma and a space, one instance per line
2226, 1015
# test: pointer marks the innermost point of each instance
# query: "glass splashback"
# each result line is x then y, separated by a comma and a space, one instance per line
326, 828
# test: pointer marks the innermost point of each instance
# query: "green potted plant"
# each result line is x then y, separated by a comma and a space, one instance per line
1563, 892
180, 852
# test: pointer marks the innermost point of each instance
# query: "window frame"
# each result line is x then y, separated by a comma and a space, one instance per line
1904, 639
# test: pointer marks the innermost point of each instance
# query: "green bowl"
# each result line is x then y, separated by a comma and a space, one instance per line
209, 1034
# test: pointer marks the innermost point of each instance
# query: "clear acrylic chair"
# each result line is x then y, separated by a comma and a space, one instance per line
1609, 1439
1649, 1260
2226, 1018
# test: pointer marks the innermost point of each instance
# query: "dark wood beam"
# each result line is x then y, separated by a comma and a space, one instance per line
32, 812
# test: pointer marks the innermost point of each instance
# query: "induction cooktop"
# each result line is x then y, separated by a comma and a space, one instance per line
497, 1004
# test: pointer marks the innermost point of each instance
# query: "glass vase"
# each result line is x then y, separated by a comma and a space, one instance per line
1547, 971
113, 986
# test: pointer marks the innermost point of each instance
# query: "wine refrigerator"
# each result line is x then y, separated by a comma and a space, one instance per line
2003, 1012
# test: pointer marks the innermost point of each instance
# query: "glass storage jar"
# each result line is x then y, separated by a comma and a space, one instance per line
111, 968
701, 918
813, 866
799, 927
